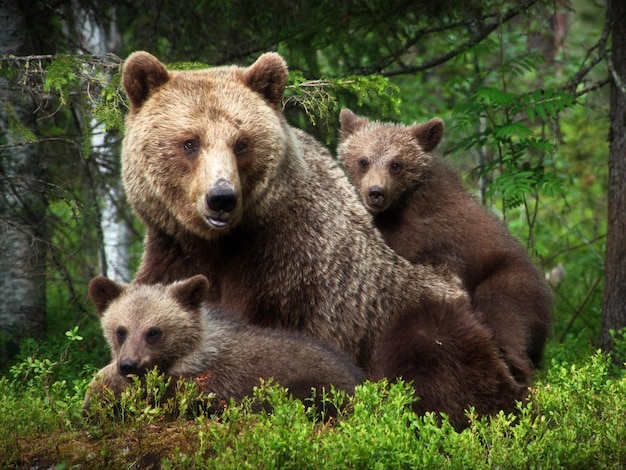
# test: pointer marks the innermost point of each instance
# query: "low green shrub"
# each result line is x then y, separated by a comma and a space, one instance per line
576, 418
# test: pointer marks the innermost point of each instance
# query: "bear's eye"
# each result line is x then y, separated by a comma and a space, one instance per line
363, 164
240, 146
191, 146
153, 335
395, 167
120, 334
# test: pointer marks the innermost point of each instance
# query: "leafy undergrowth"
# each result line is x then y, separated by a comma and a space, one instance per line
576, 419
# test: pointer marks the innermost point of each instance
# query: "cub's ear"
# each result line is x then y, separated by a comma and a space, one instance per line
141, 75
268, 77
103, 291
350, 122
428, 134
191, 293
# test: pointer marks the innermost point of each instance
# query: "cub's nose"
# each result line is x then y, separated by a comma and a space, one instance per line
128, 367
376, 196
222, 197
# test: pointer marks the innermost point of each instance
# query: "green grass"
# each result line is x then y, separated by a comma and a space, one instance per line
576, 419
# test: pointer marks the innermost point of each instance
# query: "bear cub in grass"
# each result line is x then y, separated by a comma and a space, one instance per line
425, 214
453, 361
173, 328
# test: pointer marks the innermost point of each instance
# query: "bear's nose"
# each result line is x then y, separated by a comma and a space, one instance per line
376, 195
222, 197
128, 367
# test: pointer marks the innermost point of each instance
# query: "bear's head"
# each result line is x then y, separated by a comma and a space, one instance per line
148, 326
201, 146
386, 161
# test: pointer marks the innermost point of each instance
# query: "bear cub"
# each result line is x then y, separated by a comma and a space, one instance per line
173, 328
425, 214
452, 360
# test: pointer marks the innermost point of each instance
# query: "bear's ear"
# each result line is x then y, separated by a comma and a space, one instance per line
103, 291
350, 122
268, 77
141, 75
191, 293
428, 134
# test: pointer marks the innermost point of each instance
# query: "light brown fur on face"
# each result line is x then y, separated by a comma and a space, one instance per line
174, 328
193, 141
379, 167
429, 217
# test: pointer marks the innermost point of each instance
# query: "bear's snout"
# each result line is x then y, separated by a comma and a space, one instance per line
128, 367
376, 196
221, 199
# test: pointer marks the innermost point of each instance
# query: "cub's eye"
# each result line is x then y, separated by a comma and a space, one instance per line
395, 167
363, 164
153, 335
191, 146
240, 146
120, 334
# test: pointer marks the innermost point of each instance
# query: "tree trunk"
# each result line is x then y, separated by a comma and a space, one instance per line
22, 209
614, 304
114, 223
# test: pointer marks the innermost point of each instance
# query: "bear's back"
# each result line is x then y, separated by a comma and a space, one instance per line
441, 222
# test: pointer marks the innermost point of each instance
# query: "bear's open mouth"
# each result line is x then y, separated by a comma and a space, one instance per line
217, 222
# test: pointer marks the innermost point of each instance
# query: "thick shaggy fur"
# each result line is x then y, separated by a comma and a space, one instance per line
173, 328
227, 189
453, 362
426, 215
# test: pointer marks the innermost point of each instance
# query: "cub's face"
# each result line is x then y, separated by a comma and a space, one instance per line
385, 161
201, 146
148, 326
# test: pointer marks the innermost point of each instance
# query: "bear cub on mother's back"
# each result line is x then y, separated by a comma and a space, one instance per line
173, 328
425, 214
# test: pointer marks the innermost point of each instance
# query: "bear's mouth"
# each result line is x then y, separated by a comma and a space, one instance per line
217, 222
374, 208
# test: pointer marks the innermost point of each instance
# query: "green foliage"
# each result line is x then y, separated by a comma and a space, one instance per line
571, 230
576, 418
18, 132
110, 107
35, 369
322, 99
145, 402
39, 395
62, 76
521, 160
187, 65
619, 351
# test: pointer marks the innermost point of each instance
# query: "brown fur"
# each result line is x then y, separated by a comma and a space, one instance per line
287, 245
453, 361
227, 189
426, 215
173, 328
